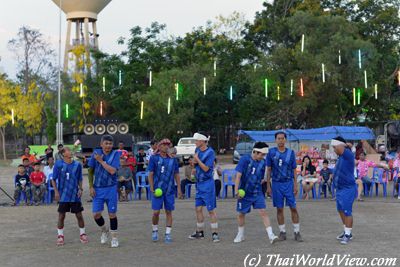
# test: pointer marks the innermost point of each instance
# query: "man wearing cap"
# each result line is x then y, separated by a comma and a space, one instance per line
249, 177
163, 173
281, 163
343, 178
205, 188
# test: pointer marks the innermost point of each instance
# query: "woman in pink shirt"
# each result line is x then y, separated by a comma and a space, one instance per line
362, 167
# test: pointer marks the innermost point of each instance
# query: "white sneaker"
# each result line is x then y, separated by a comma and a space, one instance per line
398, 197
239, 238
104, 237
114, 242
274, 240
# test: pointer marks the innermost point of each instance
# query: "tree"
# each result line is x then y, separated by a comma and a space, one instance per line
35, 58
7, 103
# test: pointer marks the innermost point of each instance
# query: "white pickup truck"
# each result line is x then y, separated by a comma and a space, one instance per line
185, 148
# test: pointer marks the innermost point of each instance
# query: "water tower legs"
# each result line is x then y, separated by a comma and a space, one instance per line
67, 45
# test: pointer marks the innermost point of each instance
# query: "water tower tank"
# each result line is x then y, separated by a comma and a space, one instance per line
83, 14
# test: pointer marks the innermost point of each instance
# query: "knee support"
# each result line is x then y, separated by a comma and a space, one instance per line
100, 221
114, 224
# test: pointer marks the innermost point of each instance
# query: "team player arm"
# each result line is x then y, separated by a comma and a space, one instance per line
80, 178
239, 170
151, 174
294, 167
110, 169
237, 183
178, 182
205, 166
54, 184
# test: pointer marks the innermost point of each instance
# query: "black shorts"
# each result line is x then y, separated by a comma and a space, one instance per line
73, 207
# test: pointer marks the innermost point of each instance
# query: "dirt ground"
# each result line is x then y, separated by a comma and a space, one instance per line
28, 234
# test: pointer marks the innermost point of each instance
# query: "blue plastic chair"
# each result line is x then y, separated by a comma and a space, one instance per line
141, 183
314, 192
230, 174
325, 193
377, 178
22, 195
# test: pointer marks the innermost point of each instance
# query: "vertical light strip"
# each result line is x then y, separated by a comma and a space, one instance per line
12, 117
365, 79
81, 90
150, 78
104, 84
215, 68
204, 85
323, 72
141, 110
291, 86
301, 87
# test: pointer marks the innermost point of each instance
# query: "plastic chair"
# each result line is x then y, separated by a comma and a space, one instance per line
326, 190
230, 174
141, 183
314, 193
377, 178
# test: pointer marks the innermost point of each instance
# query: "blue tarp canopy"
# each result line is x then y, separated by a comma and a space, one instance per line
317, 134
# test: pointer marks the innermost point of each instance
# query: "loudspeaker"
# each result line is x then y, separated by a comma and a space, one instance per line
123, 128
112, 128
88, 129
100, 129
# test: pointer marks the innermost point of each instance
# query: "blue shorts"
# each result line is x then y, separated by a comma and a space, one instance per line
168, 201
244, 204
281, 192
345, 198
108, 195
205, 195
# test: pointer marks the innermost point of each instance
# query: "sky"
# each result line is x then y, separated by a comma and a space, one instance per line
114, 21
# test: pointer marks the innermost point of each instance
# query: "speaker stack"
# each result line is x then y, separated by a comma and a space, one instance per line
101, 127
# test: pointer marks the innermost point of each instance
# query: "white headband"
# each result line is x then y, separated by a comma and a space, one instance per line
261, 150
201, 137
335, 142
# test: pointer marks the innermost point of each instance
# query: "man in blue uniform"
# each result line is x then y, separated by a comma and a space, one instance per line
249, 177
346, 188
103, 180
67, 184
205, 187
281, 163
163, 173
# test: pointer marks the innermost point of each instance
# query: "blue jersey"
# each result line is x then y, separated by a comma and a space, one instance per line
205, 180
164, 170
343, 175
67, 177
102, 178
282, 164
253, 172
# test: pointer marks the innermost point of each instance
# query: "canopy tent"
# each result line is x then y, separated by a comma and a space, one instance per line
317, 134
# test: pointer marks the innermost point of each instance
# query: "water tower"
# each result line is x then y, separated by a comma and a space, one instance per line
81, 14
